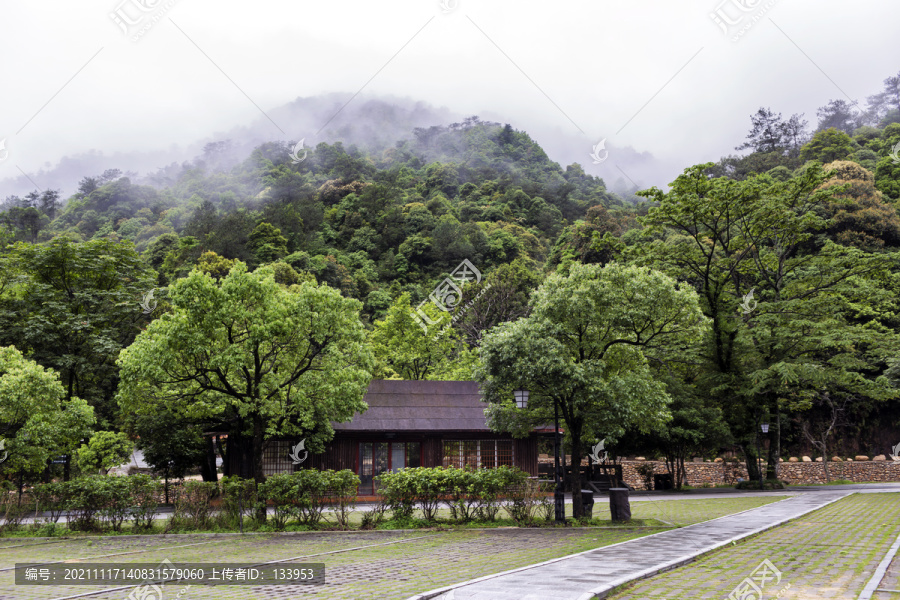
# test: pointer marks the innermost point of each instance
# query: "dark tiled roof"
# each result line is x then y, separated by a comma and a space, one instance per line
420, 406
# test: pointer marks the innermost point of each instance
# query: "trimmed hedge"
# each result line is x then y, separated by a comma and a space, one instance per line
306, 497
468, 493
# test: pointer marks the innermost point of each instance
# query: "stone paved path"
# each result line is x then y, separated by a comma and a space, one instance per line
596, 572
828, 554
885, 586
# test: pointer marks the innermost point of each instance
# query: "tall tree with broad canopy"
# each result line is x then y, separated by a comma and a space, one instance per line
809, 325
405, 350
252, 356
72, 306
37, 419
586, 348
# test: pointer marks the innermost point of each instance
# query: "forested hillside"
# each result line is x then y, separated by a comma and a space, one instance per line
807, 220
372, 226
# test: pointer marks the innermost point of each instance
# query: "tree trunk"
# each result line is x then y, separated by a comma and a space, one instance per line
258, 476
771, 464
750, 459
208, 466
825, 461
577, 506
671, 466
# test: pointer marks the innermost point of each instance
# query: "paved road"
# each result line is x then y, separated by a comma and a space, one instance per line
596, 572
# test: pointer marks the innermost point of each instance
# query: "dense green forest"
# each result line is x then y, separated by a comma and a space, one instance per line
806, 221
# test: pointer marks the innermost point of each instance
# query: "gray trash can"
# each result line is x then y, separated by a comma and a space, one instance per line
587, 501
619, 505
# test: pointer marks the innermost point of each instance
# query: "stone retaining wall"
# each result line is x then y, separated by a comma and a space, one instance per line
708, 474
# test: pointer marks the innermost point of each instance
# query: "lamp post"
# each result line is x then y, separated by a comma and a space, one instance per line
765, 429
559, 497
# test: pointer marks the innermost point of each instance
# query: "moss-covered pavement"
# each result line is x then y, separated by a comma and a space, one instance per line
829, 553
359, 565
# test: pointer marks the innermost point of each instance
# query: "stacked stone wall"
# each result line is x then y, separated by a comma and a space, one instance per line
710, 474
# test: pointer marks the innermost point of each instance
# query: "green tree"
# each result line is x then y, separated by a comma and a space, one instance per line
807, 332
172, 445
859, 216
404, 349
887, 177
252, 356
585, 348
501, 296
105, 450
887, 100
769, 132
37, 421
827, 146
267, 244
838, 114
698, 424
72, 307
214, 265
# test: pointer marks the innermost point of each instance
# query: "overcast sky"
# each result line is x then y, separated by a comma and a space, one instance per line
658, 77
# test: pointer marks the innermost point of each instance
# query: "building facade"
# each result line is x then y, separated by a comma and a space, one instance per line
413, 424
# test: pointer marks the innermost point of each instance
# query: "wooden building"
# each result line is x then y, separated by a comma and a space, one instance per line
413, 424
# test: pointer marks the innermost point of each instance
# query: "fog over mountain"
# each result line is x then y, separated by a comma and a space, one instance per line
140, 84
371, 122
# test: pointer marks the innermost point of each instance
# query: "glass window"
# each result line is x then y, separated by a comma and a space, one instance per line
478, 454
376, 458
398, 456
413, 455
365, 466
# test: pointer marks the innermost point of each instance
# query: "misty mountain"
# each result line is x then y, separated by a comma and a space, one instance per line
372, 123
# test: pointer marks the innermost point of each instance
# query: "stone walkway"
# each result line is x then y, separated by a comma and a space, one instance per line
593, 574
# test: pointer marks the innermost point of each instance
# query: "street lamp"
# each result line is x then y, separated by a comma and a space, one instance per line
764, 427
559, 496
521, 398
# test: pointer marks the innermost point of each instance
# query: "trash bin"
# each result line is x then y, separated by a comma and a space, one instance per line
587, 502
662, 481
619, 505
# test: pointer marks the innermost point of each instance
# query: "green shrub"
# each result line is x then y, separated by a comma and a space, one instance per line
468, 493
192, 504
306, 494
312, 488
525, 501
396, 493
239, 500
50, 498
463, 493
145, 492
422, 486
83, 497
11, 512
282, 489
494, 486
114, 497
341, 487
